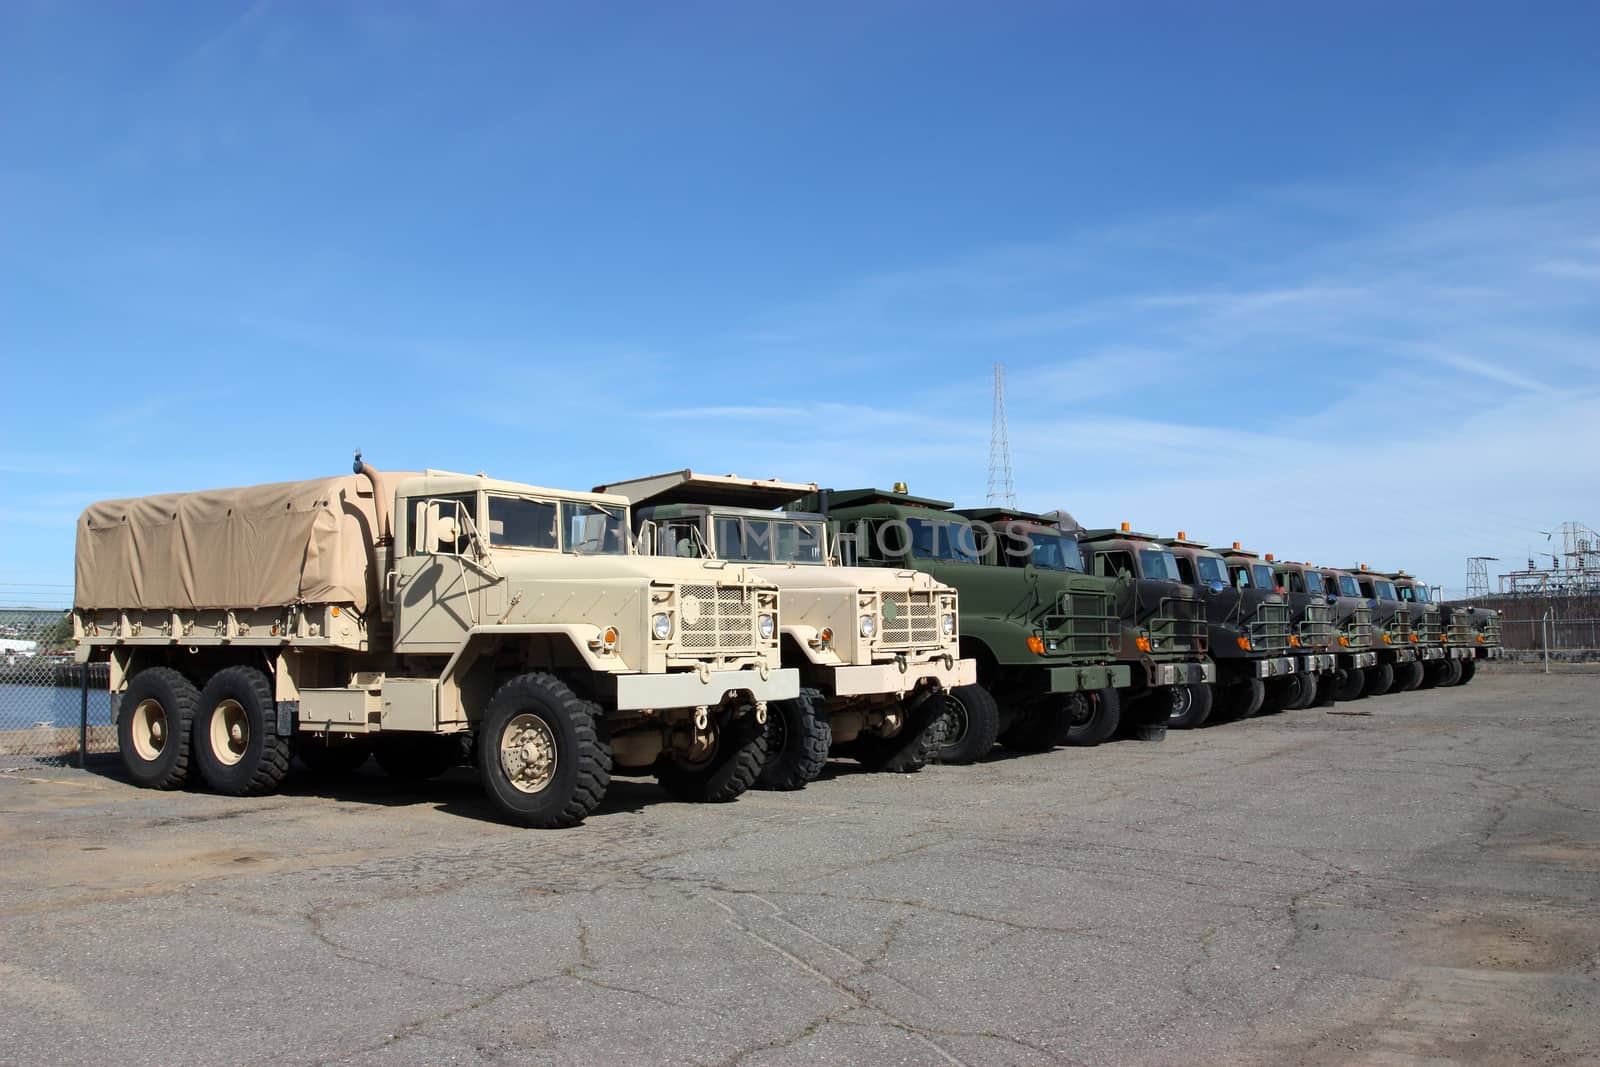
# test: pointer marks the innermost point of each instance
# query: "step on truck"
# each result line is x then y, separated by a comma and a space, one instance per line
1164, 636
1250, 636
1042, 634
1445, 637
1317, 625
424, 618
877, 650
1307, 684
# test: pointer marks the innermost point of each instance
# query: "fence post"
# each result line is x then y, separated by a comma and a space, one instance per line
1545, 623
83, 719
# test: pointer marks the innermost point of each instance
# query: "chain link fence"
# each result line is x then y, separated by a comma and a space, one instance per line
1574, 640
48, 714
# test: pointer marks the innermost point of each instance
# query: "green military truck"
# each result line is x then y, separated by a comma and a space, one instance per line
1393, 638
426, 618
1250, 636
1352, 617
1163, 625
876, 649
1444, 637
1486, 626
1323, 632
1305, 683
1043, 634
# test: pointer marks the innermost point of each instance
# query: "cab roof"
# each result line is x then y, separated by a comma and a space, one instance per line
992, 514
434, 481
714, 490
854, 498
1118, 535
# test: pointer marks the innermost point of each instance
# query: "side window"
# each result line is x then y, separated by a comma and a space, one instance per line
678, 539
730, 539
451, 535
1241, 577
1109, 563
1185, 570
1294, 581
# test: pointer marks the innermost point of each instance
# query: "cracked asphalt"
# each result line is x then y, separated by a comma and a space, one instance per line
1410, 879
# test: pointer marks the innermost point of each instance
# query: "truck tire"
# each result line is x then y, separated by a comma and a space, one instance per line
1280, 693
1241, 700
1327, 689
1431, 672
542, 753
1450, 672
971, 725
330, 759
154, 728
1407, 677
1089, 718
798, 739
1469, 670
913, 748
1352, 683
236, 740
1380, 680
1305, 687
1189, 706
734, 764
417, 757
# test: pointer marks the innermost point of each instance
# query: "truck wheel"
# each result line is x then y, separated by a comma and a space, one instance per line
1189, 706
798, 739
971, 724
1469, 670
1407, 677
1090, 718
732, 766
1450, 672
542, 755
1240, 700
911, 749
153, 728
1280, 691
1431, 673
236, 738
417, 757
1352, 683
330, 759
1305, 691
1380, 679
1327, 690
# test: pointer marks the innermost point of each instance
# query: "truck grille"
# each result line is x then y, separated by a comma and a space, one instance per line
1358, 627
714, 618
1460, 629
1179, 624
1269, 628
1491, 630
1316, 629
1428, 630
1399, 627
1084, 622
910, 619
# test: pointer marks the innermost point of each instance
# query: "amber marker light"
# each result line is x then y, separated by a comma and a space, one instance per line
1345, 641
1413, 638
1244, 643
610, 635
1126, 527
1294, 641
1142, 643
1036, 645
1387, 639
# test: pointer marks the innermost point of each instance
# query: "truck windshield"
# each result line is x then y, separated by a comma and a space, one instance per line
1211, 569
594, 529
1384, 590
1348, 586
937, 539
1055, 552
1159, 564
517, 522
768, 540
1313, 581
1261, 575
1421, 592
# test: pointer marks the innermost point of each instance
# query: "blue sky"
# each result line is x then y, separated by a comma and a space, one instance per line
1322, 279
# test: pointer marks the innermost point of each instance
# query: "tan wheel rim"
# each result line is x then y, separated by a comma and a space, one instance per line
230, 732
149, 729
528, 753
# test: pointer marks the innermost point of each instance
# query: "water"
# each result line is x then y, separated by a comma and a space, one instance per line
26, 706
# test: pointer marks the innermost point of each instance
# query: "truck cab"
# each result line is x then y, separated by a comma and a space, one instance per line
1316, 622
1393, 636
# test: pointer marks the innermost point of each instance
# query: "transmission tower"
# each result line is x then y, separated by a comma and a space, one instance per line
1478, 575
1002, 490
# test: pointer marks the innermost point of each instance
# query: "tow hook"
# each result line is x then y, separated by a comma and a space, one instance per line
761, 713
900, 661
702, 718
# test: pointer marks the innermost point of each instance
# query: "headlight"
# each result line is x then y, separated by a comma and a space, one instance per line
949, 624
767, 626
661, 626
869, 626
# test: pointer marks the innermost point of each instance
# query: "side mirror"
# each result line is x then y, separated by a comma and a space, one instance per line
437, 528
1216, 587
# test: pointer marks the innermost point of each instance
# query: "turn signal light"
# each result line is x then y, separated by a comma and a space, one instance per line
1413, 638
1345, 641
1387, 639
1142, 643
1294, 641
610, 635
1244, 643
1036, 645
1480, 639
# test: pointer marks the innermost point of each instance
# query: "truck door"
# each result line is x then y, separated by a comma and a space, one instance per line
436, 582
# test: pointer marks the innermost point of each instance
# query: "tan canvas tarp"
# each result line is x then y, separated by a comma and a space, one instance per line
256, 547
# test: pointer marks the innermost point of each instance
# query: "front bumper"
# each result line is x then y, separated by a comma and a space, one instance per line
902, 676
1319, 663
1429, 652
1401, 655
1199, 673
1089, 679
1358, 659
1274, 666
691, 689
1490, 652
1459, 652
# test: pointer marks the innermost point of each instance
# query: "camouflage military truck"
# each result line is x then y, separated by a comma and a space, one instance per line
424, 617
1393, 638
1041, 632
1163, 631
1357, 637
1324, 632
1302, 686
876, 649
1486, 626
1443, 637
1250, 636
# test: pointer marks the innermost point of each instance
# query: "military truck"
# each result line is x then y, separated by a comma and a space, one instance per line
876, 649
1352, 619
1393, 638
1163, 625
1302, 686
1250, 636
1324, 632
1043, 634
1444, 637
1486, 626
426, 617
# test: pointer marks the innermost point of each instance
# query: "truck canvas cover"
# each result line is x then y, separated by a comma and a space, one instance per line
256, 547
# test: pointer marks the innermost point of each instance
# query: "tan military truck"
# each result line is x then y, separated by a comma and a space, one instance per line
426, 617
877, 649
